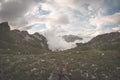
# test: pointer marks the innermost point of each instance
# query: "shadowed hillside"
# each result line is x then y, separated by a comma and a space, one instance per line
20, 41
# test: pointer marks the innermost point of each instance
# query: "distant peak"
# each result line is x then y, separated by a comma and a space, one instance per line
4, 26
4, 23
38, 34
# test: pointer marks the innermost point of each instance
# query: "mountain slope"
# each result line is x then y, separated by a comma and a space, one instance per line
21, 40
96, 60
106, 41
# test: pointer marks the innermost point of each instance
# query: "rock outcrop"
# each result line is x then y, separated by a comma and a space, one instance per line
21, 40
4, 27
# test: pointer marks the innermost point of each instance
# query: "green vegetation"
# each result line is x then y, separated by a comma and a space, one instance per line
92, 64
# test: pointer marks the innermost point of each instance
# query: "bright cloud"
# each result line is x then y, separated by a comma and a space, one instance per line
54, 40
100, 20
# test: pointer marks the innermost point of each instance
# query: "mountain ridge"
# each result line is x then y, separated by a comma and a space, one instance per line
21, 40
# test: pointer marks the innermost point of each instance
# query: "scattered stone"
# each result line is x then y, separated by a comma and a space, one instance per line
102, 54
93, 65
34, 69
86, 74
117, 68
19, 52
42, 60
93, 76
7, 60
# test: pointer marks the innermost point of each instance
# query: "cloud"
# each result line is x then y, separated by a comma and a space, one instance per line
116, 29
12, 9
55, 41
100, 20
59, 20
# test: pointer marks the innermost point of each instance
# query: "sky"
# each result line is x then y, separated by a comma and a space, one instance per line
54, 18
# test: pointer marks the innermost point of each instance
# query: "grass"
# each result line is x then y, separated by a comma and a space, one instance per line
81, 65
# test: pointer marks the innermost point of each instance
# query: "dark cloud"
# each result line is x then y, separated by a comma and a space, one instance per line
13, 9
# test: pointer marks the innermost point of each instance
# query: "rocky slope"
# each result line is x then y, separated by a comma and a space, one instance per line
105, 41
21, 40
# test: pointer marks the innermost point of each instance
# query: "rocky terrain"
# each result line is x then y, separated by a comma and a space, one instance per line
20, 41
27, 57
